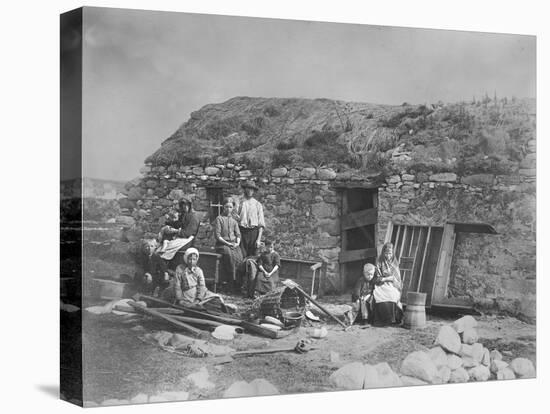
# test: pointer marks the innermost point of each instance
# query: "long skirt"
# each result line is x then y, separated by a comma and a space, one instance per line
386, 313
232, 260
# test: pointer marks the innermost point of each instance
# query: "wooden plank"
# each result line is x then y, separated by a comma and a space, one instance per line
359, 218
423, 259
402, 243
344, 240
418, 238
443, 268
356, 255
181, 325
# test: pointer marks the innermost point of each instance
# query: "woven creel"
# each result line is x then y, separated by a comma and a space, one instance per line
281, 300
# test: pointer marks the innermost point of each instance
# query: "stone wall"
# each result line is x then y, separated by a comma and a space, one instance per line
302, 212
496, 271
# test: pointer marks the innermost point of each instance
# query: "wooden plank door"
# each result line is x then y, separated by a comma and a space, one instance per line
443, 270
358, 233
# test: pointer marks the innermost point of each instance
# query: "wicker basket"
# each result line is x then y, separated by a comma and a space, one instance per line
281, 300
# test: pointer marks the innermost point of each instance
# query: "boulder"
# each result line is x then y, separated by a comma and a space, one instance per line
386, 376
469, 362
498, 365
418, 364
495, 355
470, 336
261, 386
371, 377
239, 389
438, 356
200, 379
506, 374
139, 399
464, 323
523, 368
465, 350
479, 373
448, 339
477, 352
407, 381
453, 361
350, 377
486, 358
444, 374
459, 375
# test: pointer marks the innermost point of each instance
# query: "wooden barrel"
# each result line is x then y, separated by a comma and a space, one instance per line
415, 314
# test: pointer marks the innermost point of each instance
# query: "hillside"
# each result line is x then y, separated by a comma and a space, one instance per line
469, 137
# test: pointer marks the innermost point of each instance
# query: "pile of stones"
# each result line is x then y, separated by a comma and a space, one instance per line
456, 357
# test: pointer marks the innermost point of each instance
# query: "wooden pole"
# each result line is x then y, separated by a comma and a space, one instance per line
183, 326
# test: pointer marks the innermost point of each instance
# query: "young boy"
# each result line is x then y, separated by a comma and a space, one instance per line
362, 294
269, 264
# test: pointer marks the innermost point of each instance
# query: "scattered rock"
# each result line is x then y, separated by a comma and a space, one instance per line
239, 389
497, 365
444, 374
261, 386
486, 358
523, 368
506, 374
386, 376
453, 361
200, 379
469, 362
464, 323
495, 355
418, 364
371, 377
448, 339
407, 381
479, 373
139, 399
438, 356
349, 377
470, 336
459, 375
477, 352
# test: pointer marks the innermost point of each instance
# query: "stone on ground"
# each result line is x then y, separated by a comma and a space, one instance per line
262, 386
139, 399
495, 355
350, 377
438, 356
371, 377
523, 368
407, 381
497, 365
418, 364
477, 352
479, 373
459, 375
453, 361
506, 374
448, 339
200, 379
470, 336
469, 362
386, 376
444, 374
486, 358
466, 322
239, 389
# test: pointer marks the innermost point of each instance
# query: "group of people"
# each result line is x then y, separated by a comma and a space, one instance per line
376, 298
247, 264
250, 265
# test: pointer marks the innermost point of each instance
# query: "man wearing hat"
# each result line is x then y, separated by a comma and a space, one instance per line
250, 216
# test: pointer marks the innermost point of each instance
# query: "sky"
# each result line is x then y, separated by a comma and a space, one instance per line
144, 72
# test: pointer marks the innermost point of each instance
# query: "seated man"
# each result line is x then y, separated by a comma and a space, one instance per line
362, 295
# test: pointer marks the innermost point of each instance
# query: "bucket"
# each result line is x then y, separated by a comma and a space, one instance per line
415, 314
293, 319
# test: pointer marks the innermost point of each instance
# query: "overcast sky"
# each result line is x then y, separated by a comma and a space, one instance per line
145, 72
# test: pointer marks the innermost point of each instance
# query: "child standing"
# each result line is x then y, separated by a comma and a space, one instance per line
269, 264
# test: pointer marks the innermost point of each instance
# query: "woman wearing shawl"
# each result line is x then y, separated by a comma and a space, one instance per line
186, 228
387, 307
228, 239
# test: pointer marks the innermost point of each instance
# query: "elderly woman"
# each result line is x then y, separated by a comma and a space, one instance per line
387, 308
228, 238
185, 230
188, 286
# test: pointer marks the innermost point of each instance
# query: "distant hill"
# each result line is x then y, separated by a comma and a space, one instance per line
468, 137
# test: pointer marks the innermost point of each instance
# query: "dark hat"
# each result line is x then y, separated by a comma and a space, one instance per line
249, 184
185, 200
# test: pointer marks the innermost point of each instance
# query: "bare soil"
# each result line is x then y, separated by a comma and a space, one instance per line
119, 365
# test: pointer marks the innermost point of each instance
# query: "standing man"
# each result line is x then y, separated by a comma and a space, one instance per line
250, 216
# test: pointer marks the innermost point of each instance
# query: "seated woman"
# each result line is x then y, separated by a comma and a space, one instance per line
186, 228
361, 297
228, 238
387, 308
188, 286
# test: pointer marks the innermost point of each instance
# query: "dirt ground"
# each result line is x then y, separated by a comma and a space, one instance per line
119, 365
